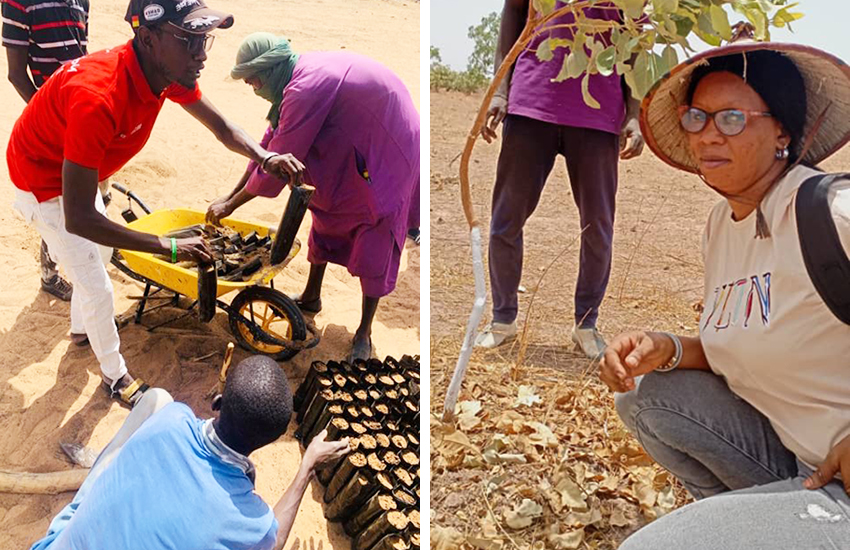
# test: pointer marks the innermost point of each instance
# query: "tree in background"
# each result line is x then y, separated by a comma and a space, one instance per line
640, 52
479, 66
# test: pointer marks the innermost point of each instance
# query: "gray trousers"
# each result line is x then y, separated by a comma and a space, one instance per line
717, 444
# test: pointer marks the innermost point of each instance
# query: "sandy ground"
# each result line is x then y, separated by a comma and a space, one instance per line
49, 388
656, 279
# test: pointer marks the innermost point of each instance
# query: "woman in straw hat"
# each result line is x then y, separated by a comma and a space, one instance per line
353, 124
756, 406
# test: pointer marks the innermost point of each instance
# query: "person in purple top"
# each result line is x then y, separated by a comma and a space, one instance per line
353, 124
542, 119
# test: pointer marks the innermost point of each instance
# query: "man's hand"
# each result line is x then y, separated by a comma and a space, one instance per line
286, 167
218, 210
194, 249
495, 115
631, 140
320, 452
633, 354
837, 460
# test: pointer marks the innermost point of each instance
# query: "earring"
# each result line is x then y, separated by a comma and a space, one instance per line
782, 154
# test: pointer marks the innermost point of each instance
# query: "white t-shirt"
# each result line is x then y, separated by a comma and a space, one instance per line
766, 330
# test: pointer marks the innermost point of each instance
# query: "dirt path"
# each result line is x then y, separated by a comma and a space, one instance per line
656, 280
49, 388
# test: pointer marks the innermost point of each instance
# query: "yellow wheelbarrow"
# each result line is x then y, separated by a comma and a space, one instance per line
263, 320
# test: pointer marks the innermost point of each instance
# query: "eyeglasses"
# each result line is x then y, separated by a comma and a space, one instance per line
195, 43
729, 122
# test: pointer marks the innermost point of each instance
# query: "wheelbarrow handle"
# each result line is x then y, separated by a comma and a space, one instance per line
123, 190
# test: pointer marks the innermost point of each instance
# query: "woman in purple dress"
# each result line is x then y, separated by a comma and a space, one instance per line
353, 124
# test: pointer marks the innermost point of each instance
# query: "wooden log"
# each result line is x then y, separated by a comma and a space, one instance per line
343, 474
404, 498
51, 483
410, 458
351, 497
207, 292
392, 542
326, 473
379, 503
388, 523
316, 408
334, 409
322, 383
307, 388
296, 207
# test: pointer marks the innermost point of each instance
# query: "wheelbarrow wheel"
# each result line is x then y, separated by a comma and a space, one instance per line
275, 314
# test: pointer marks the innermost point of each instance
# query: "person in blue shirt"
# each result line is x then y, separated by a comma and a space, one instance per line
170, 480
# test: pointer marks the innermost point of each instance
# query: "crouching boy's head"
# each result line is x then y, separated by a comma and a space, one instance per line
256, 405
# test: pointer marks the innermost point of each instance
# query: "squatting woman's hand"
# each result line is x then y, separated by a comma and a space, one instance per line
632, 354
838, 460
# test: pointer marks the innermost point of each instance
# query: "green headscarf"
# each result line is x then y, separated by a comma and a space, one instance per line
270, 58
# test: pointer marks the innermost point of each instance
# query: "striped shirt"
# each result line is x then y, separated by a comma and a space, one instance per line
54, 32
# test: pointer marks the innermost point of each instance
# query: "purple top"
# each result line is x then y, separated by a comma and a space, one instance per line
534, 95
341, 108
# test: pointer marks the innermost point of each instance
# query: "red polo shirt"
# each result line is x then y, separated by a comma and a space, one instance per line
96, 111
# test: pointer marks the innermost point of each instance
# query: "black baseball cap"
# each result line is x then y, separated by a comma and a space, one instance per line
190, 15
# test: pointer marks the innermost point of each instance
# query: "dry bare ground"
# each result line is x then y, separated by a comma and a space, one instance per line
538, 457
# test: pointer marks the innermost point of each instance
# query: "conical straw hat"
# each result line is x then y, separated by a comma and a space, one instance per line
827, 80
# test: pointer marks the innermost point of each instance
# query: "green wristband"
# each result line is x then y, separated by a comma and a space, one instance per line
173, 250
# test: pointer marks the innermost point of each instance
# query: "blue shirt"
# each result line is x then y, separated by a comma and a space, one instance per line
171, 487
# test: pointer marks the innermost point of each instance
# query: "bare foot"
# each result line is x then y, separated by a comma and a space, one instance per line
79, 339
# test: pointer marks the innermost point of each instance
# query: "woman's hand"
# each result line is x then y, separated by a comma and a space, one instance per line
286, 167
218, 210
837, 460
633, 354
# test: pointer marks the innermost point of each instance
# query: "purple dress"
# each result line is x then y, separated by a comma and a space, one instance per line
352, 122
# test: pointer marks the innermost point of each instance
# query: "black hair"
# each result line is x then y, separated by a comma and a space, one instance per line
256, 405
773, 76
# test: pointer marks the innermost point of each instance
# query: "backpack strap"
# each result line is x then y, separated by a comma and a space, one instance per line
823, 255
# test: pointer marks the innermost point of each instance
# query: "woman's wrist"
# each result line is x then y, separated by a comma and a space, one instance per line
675, 357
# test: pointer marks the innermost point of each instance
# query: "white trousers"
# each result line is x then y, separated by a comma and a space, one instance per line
92, 308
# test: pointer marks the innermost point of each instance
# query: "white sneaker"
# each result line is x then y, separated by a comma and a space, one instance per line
495, 334
589, 341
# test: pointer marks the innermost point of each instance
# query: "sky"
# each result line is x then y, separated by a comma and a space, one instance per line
824, 25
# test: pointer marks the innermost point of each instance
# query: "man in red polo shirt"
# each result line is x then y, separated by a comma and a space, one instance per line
91, 117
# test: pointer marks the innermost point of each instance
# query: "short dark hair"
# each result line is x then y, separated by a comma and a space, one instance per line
773, 76
256, 405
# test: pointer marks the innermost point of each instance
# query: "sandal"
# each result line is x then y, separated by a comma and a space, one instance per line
130, 393
364, 355
312, 307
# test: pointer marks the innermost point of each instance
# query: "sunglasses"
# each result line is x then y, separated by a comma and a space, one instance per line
195, 43
729, 122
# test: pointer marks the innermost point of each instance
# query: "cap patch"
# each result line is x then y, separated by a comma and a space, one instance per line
135, 22
185, 4
200, 22
153, 12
